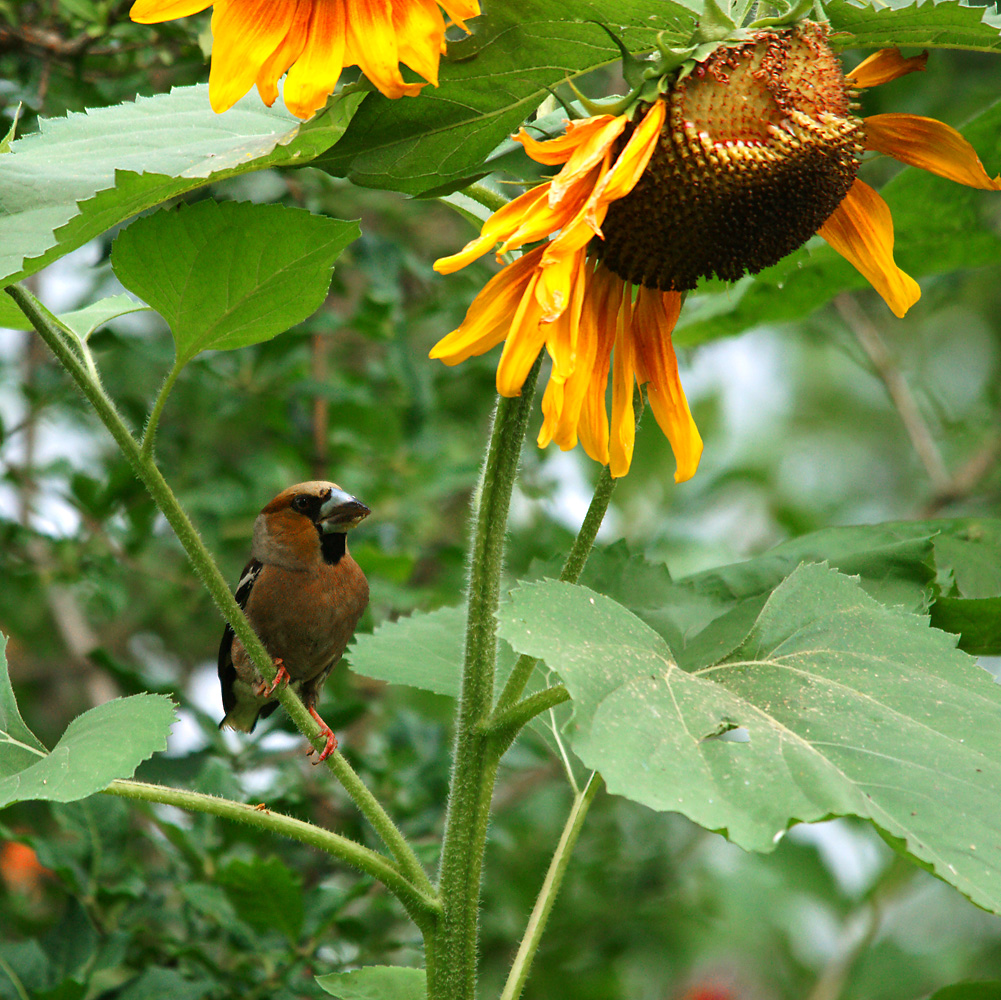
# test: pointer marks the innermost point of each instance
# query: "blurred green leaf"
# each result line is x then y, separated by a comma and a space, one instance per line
377, 982
76, 178
107, 742
228, 275
969, 991
266, 894
848, 708
160, 983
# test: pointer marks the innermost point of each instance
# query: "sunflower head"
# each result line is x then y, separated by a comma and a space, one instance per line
758, 148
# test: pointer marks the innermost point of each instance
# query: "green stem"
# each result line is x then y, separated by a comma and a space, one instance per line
550, 887
572, 569
486, 197
149, 435
216, 585
475, 755
506, 724
421, 906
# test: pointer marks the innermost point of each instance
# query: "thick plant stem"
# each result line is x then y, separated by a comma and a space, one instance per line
476, 755
144, 467
572, 568
550, 887
419, 905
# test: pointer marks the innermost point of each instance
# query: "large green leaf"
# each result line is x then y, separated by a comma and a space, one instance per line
232, 274
924, 24
376, 982
969, 991
266, 894
490, 84
80, 175
105, 743
841, 706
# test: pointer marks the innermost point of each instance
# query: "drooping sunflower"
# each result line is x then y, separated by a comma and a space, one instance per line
256, 41
746, 155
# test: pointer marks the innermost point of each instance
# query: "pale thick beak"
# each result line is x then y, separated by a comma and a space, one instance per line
341, 512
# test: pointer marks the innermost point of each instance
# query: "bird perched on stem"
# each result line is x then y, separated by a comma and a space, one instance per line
303, 594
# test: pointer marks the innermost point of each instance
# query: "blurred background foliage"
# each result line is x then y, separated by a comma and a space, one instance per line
849, 417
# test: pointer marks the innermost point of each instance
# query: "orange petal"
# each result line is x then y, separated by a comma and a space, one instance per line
488, 319
931, 145
315, 74
459, 10
633, 160
245, 35
654, 318
155, 11
287, 52
552, 408
561, 339
588, 154
884, 66
861, 230
560, 148
593, 426
622, 435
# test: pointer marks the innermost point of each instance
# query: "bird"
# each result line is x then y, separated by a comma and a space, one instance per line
303, 594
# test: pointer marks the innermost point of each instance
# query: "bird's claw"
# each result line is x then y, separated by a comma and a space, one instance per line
330, 746
265, 690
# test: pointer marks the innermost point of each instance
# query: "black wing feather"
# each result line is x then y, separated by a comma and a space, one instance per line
227, 672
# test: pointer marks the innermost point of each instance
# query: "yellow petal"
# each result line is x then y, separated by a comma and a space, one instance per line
884, 66
588, 154
561, 337
488, 319
555, 283
524, 342
245, 35
315, 74
420, 30
155, 11
931, 145
560, 148
593, 426
552, 406
500, 226
861, 230
372, 45
654, 318
622, 435
459, 10
633, 160
287, 53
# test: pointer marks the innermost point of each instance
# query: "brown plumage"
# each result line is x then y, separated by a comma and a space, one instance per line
303, 594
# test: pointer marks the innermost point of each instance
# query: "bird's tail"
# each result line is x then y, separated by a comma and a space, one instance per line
242, 717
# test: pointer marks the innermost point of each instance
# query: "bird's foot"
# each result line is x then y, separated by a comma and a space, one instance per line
265, 690
328, 733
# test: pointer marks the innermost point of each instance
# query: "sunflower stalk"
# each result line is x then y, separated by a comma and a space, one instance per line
476, 755
74, 358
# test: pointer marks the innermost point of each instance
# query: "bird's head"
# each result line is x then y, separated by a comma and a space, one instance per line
290, 524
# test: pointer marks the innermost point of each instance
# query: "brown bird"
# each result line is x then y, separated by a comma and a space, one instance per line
303, 594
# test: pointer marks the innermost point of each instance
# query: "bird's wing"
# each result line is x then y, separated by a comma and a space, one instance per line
227, 673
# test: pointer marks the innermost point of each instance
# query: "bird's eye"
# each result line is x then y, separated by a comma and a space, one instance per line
301, 503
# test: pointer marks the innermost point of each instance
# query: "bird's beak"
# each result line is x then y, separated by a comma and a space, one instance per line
341, 512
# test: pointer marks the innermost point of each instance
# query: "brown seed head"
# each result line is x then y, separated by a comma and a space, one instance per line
758, 148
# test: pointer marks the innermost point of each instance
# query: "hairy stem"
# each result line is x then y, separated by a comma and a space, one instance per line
475, 755
48, 329
550, 887
572, 569
506, 724
149, 435
418, 904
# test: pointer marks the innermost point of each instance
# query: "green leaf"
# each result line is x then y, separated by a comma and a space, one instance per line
266, 894
83, 322
157, 983
76, 177
489, 85
848, 708
939, 226
105, 743
225, 275
969, 991
376, 982
920, 23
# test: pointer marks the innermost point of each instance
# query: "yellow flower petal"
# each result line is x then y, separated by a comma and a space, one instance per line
633, 160
246, 33
861, 230
931, 145
155, 11
622, 435
372, 46
420, 31
561, 339
314, 76
488, 319
288, 51
460, 10
523, 344
588, 154
593, 426
552, 407
654, 318
884, 66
